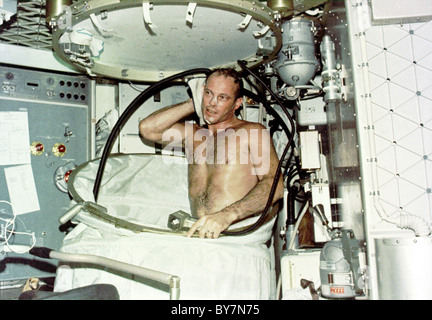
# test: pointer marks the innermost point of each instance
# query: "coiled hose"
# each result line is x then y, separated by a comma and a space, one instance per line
157, 87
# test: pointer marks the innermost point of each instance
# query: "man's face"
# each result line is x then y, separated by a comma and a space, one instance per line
219, 99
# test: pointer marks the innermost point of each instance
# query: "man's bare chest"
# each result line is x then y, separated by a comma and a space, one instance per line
225, 147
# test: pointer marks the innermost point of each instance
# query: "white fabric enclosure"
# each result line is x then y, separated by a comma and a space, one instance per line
146, 189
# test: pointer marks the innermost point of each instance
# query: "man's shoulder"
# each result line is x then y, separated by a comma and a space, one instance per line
248, 125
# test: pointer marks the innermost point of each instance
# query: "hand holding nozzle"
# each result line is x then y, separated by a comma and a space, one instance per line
180, 220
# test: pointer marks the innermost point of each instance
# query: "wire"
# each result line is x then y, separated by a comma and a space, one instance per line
303, 211
8, 233
135, 87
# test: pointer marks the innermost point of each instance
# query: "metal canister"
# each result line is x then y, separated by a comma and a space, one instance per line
297, 63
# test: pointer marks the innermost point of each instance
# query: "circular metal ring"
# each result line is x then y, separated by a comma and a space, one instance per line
82, 175
149, 41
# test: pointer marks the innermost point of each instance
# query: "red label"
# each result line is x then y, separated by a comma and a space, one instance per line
337, 290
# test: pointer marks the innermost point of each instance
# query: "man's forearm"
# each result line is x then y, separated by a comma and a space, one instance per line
254, 202
154, 126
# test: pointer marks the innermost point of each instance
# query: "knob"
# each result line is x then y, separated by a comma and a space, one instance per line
37, 148
59, 150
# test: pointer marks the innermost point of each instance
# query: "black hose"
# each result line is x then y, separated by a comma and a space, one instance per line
269, 203
291, 205
269, 110
135, 104
157, 87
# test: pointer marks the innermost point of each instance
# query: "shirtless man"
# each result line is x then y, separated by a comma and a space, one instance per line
232, 163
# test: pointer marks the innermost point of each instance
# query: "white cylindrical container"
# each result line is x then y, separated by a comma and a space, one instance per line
404, 268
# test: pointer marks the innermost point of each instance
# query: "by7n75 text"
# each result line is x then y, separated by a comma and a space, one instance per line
237, 309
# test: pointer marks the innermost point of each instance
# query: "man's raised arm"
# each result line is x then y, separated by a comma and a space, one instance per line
155, 125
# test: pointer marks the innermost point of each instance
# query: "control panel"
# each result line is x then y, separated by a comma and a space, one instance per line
46, 86
45, 129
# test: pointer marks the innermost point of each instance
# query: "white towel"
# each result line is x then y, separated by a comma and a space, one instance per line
197, 87
83, 37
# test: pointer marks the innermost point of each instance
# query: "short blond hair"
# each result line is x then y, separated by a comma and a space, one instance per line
230, 73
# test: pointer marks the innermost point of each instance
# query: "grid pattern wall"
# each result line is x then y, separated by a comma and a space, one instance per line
29, 28
400, 72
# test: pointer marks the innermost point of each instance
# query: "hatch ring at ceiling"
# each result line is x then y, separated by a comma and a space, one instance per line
151, 40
